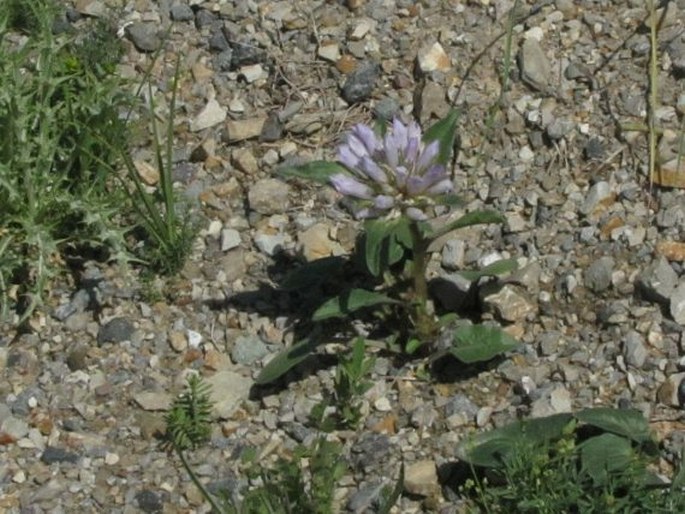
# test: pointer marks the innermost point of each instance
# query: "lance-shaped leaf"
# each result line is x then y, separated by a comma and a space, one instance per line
604, 454
317, 171
348, 302
496, 268
444, 131
467, 220
477, 343
629, 423
385, 242
286, 360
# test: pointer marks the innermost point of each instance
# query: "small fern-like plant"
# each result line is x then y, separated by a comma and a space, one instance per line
189, 427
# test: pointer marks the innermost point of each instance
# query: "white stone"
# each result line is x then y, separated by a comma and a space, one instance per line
433, 58
230, 238
253, 72
211, 115
194, 339
329, 52
382, 404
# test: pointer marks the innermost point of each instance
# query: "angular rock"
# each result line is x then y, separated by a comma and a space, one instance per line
269, 196
316, 243
598, 276
228, 390
360, 83
421, 478
239, 130
657, 282
634, 350
433, 58
677, 304
143, 36
248, 349
115, 331
509, 303
535, 68
153, 400
212, 114
181, 12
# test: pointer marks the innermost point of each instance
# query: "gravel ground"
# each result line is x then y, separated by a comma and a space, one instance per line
598, 303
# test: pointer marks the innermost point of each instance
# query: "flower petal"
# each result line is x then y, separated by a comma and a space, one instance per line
391, 150
399, 133
428, 155
350, 186
347, 157
367, 136
416, 185
415, 214
440, 188
373, 170
383, 202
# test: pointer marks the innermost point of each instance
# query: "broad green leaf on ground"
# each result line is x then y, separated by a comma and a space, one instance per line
444, 131
629, 423
286, 360
467, 220
348, 302
496, 268
477, 343
316, 171
604, 454
313, 273
490, 449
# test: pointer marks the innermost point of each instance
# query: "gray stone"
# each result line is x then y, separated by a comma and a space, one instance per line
14, 427
212, 114
657, 282
269, 196
421, 478
559, 128
53, 454
450, 290
153, 400
230, 238
115, 331
360, 83
248, 349
634, 350
366, 498
453, 254
144, 36
431, 102
217, 43
677, 303
535, 68
149, 501
181, 12
270, 244
460, 404
598, 192
551, 401
228, 390
386, 109
509, 303
598, 276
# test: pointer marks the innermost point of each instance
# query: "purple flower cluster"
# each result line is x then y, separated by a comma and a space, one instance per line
394, 174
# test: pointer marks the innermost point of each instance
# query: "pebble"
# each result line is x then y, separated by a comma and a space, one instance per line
509, 304
153, 400
212, 114
248, 349
53, 454
535, 68
230, 238
360, 83
598, 276
228, 390
116, 330
143, 36
433, 58
421, 478
181, 12
240, 130
269, 196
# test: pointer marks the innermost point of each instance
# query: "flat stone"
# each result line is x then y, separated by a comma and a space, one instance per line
153, 400
421, 478
510, 304
433, 58
316, 243
670, 391
116, 330
657, 282
329, 51
53, 454
248, 349
535, 68
598, 276
144, 36
212, 114
13, 427
245, 161
432, 102
240, 130
270, 244
634, 350
228, 390
599, 192
253, 72
230, 238
453, 254
269, 196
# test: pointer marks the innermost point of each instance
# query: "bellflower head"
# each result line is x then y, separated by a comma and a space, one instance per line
397, 173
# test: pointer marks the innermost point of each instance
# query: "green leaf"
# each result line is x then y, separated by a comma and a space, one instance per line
390, 498
477, 343
317, 171
490, 449
467, 220
604, 454
348, 302
286, 360
496, 268
385, 243
313, 273
412, 346
445, 132
628, 423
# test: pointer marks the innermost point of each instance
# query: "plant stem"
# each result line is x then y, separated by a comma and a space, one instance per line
425, 324
208, 496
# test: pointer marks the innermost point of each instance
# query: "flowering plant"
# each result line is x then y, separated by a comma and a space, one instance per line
394, 180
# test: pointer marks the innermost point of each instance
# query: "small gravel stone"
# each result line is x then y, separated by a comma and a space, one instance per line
144, 36
228, 390
421, 478
53, 454
535, 68
181, 12
360, 83
269, 196
248, 349
230, 238
212, 114
634, 350
598, 276
149, 501
115, 331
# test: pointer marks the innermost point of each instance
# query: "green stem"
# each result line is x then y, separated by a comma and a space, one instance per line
208, 496
425, 324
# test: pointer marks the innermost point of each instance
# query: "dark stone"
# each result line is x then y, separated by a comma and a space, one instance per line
143, 36
217, 41
149, 501
370, 450
272, 129
116, 331
386, 109
594, 149
52, 455
245, 54
204, 18
224, 60
181, 12
360, 83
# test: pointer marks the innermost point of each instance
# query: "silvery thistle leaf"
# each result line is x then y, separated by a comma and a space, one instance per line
397, 174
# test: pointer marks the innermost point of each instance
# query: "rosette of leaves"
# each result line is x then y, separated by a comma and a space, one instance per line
393, 179
595, 460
